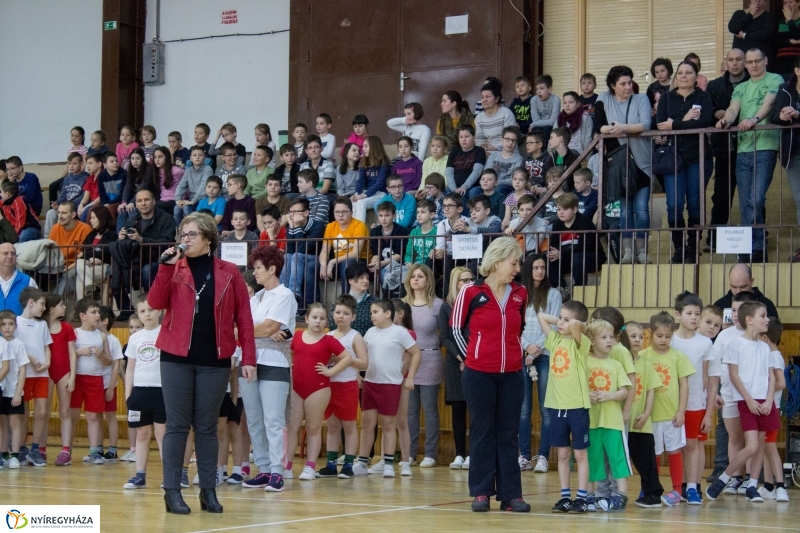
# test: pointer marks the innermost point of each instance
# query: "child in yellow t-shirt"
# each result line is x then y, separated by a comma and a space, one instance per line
568, 395
671, 398
609, 387
641, 444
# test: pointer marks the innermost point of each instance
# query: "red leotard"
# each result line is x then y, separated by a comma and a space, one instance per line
59, 352
305, 379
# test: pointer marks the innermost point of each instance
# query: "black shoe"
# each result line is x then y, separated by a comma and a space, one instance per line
480, 504
174, 502
649, 502
517, 505
690, 257
718, 470
208, 501
678, 257
578, 506
562, 506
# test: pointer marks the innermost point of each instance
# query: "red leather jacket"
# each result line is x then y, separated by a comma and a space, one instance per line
173, 290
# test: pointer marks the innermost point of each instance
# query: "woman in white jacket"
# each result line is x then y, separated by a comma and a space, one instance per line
410, 126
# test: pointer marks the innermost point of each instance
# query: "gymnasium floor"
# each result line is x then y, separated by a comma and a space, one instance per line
432, 500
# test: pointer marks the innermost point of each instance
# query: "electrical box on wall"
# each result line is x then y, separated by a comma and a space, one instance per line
153, 64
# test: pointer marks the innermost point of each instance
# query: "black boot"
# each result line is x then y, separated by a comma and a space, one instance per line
693, 238
208, 501
678, 238
174, 502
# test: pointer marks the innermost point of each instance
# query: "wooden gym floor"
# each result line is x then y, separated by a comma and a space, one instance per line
433, 499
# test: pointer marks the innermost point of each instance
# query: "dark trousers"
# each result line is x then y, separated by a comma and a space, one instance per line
460, 427
494, 402
642, 449
580, 265
721, 442
192, 397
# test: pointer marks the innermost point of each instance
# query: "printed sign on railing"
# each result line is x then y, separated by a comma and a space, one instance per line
735, 240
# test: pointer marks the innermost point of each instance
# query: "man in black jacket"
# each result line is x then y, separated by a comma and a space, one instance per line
723, 145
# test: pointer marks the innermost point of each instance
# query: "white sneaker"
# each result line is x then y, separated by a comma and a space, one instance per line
13, 463
308, 474
288, 474
388, 471
766, 494
129, 456
541, 464
781, 495
340, 460
359, 469
377, 468
457, 463
524, 464
196, 480
427, 463
405, 469
465, 466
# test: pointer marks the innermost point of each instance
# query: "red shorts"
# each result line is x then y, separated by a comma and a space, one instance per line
384, 397
90, 393
692, 421
111, 406
751, 422
36, 388
344, 400
772, 436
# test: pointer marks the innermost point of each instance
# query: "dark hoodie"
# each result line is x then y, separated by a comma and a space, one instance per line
787, 96
721, 91
727, 301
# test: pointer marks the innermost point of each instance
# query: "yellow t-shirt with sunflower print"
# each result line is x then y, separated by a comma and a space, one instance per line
606, 375
567, 385
670, 367
646, 379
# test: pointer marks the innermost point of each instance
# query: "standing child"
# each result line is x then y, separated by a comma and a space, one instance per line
408, 166
588, 96
381, 391
323, 124
436, 163
12, 410
342, 408
134, 325
519, 188
146, 411
110, 377
192, 187
360, 132
403, 318
127, 144
774, 488
33, 332
521, 104
419, 249
63, 361
410, 126
671, 399
710, 321
312, 349
148, 134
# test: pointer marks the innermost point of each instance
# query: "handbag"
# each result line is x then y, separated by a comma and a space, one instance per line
622, 176
666, 158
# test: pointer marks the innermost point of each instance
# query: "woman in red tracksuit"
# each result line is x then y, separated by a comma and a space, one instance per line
488, 317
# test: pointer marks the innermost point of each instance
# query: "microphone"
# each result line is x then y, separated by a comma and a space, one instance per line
166, 256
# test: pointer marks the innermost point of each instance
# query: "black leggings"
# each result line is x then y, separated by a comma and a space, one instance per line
460, 427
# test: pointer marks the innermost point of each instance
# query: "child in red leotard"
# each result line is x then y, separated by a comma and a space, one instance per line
62, 369
311, 388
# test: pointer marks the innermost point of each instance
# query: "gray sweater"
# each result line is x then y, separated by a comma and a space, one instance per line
545, 113
639, 113
193, 182
490, 129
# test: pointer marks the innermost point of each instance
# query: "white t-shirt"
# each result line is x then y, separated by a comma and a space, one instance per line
754, 367
115, 348
698, 350
717, 368
279, 306
142, 348
328, 146
14, 352
35, 335
385, 348
349, 373
777, 362
88, 365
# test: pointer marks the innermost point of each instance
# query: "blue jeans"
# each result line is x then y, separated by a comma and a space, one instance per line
300, 276
636, 214
753, 176
30, 234
179, 213
683, 189
542, 366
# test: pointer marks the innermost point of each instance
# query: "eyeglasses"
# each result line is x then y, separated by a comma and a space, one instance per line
230, 155
340, 212
533, 142
509, 139
394, 187
754, 61
449, 206
190, 235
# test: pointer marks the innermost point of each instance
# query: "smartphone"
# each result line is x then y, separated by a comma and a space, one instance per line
727, 316
697, 106
288, 333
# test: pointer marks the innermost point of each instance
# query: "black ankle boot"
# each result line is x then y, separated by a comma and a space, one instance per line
208, 501
174, 502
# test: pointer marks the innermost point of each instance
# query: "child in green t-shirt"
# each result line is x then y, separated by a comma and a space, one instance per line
422, 240
568, 395
609, 386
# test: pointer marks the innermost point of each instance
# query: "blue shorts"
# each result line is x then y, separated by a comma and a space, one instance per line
566, 422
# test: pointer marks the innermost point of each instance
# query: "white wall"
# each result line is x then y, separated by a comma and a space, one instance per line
243, 80
50, 56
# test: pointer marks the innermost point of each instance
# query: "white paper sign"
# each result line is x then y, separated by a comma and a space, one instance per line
467, 246
734, 240
454, 25
234, 252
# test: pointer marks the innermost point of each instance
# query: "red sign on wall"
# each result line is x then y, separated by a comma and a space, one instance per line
230, 17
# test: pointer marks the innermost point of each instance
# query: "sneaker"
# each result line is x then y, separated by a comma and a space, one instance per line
225, 475
13, 463
517, 505
196, 480
184, 479
465, 466
135, 482
524, 464
714, 490
405, 469
733, 486
388, 471
627, 257
377, 468
276, 483
457, 463
671, 499
614, 503
480, 504
752, 495
329, 470
541, 464
110, 456
288, 474
96, 459
781, 495
718, 470
742, 490
307, 474
642, 258
130, 457
347, 472
360, 470
578, 506
235, 479
693, 497
258, 482
591, 504
23, 455
562, 506
35, 458
427, 463
767, 494
649, 502
64, 459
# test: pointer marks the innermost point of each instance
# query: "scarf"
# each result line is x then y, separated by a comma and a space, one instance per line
447, 129
571, 122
